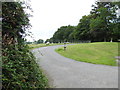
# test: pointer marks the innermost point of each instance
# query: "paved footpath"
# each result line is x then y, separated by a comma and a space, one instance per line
63, 72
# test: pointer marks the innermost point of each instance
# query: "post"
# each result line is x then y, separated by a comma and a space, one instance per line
111, 39
118, 60
64, 46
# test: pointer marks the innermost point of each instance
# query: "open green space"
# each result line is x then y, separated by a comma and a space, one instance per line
96, 53
33, 46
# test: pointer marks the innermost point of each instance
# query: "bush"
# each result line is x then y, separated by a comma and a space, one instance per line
20, 70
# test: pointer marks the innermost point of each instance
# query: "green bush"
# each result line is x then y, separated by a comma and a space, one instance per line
20, 70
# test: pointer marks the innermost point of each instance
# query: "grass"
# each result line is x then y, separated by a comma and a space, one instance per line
33, 46
96, 53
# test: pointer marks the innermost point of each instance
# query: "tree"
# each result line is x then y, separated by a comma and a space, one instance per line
15, 22
72, 35
83, 30
40, 41
47, 40
102, 24
63, 34
114, 32
104, 14
28, 42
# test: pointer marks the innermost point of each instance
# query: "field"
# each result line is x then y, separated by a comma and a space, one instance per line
96, 53
33, 46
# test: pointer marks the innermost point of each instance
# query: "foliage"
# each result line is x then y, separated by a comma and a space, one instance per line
40, 41
83, 28
20, 70
48, 40
96, 53
102, 21
28, 42
62, 34
103, 16
33, 46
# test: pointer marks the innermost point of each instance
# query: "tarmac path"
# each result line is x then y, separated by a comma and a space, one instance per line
63, 72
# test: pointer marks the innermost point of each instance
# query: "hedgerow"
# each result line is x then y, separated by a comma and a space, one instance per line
19, 69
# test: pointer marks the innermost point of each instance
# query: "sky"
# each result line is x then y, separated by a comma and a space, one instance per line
49, 15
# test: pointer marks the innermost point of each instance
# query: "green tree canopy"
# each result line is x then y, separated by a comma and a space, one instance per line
102, 24
40, 41
63, 34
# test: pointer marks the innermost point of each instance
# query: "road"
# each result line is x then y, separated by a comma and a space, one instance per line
63, 72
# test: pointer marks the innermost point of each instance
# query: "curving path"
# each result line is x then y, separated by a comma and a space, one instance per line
63, 72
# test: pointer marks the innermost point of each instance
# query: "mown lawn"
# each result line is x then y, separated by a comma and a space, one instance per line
33, 46
96, 53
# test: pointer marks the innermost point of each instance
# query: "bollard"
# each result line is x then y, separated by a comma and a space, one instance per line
118, 60
65, 46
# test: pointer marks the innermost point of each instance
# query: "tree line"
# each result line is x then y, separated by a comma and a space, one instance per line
39, 41
102, 24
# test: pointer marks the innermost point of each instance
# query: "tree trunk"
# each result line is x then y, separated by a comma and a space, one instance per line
111, 40
104, 39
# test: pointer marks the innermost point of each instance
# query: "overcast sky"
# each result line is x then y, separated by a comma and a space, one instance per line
49, 15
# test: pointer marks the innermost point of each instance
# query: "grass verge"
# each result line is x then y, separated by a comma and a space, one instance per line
33, 46
96, 53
